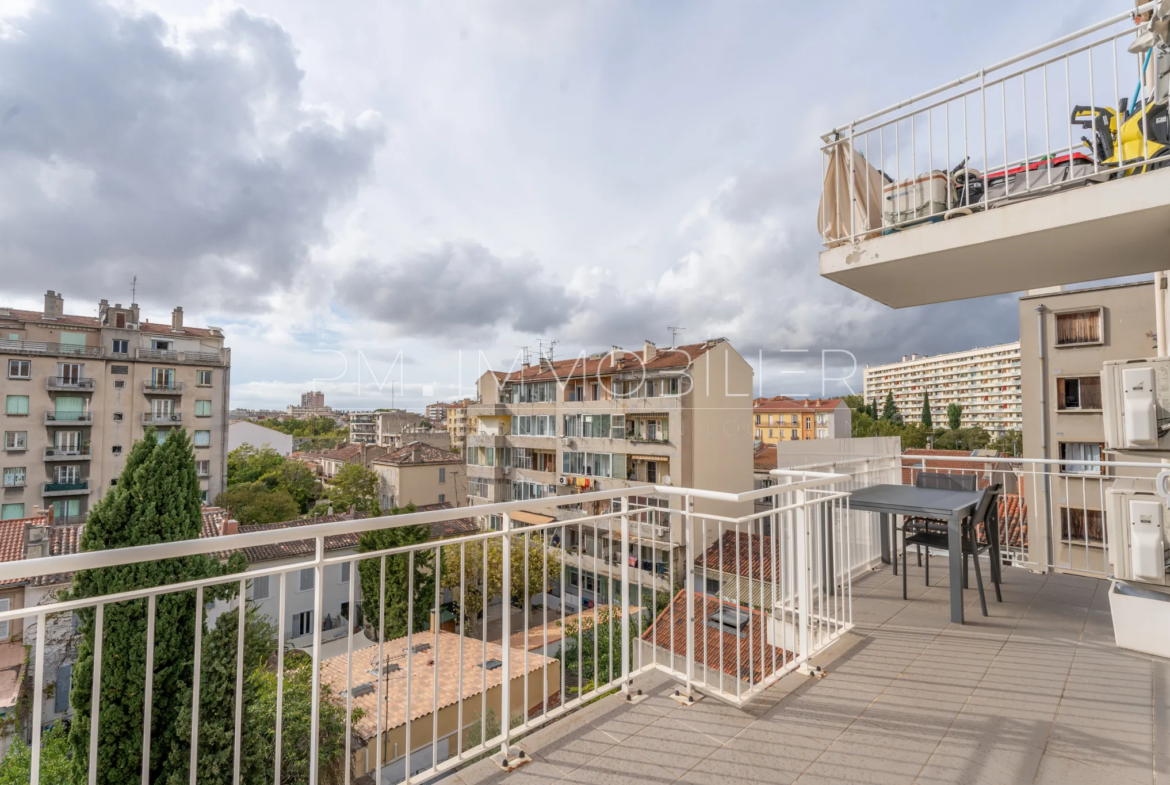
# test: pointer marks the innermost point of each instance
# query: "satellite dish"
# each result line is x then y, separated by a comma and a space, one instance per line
666, 479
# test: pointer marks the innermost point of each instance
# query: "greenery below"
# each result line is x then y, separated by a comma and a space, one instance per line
866, 422
265, 487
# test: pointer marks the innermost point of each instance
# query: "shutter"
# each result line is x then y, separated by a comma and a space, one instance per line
1060, 393
64, 685
69, 405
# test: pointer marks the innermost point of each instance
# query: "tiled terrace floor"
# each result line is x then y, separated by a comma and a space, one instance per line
1036, 693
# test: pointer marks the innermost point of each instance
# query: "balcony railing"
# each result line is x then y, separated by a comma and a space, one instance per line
153, 418
69, 383
80, 453
68, 418
64, 488
162, 388
808, 607
43, 347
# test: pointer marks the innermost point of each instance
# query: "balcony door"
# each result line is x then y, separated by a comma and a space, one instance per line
68, 407
162, 408
162, 377
69, 373
68, 440
69, 475
66, 508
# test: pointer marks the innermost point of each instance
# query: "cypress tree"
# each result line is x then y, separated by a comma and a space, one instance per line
926, 418
397, 584
156, 500
890, 409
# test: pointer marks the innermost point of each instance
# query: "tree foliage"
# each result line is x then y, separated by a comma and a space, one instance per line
395, 601
927, 420
16, 768
256, 503
1009, 443
965, 439
248, 465
954, 416
156, 500
477, 590
890, 409
355, 486
310, 427
591, 653
913, 435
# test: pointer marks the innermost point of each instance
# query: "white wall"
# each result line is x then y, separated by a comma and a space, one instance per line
240, 433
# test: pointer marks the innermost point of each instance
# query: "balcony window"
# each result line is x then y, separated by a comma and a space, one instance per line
1081, 393
120, 346
1079, 328
162, 378
302, 624
68, 475
16, 405
161, 346
14, 477
19, 369
202, 438
202, 408
203, 378
1079, 455
1079, 525
16, 440
11, 512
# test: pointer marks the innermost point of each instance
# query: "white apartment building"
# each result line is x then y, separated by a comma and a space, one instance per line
985, 382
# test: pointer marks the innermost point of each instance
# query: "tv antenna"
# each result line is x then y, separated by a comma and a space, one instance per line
674, 331
526, 353
134, 289
550, 347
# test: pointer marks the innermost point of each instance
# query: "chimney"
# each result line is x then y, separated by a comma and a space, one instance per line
36, 541
134, 311
177, 318
365, 462
649, 351
229, 525
545, 364
905, 358
54, 305
914, 356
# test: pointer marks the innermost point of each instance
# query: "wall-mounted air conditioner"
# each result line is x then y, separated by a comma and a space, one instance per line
1136, 404
1139, 549
562, 480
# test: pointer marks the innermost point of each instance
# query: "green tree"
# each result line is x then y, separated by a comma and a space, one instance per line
476, 731
965, 439
256, 503
855, 402
926, 418
248, 464
355, 486
592, 654
16, 768
1008, 443
298, 480
890, 409
475, 588
395, 601
954, 416
156, 500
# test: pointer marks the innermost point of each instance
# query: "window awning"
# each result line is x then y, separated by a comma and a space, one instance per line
648, 415
531, 518
659, 458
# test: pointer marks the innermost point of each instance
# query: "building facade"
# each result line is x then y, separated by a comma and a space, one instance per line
460, 423
243, 432
985, 382
783, 419
313, 399
79, 390
420, 474
363, 428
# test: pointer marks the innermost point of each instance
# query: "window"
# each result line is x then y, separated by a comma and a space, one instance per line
11, 512
117, 417
1082, 393
163, 378
794, 434
757, 419
113, 481
1077, 454
302, 624
758, 437
442, 498
203, 378
1078, 328
260, 588
822, 433
14, 336
770, 434
1079, 525
120, 345
345, 572
19, 369
202, 438
202, 408
120, 369
534, 425
61, 691
119, 384
203, 468
161, 346
306, 579
16, 405
13, 478
116, 449
442, 474
16, 440
68, 475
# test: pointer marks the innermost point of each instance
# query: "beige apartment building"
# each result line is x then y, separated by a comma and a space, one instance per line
985, 382
460, 423
1067, 337
678, 416
420, 474
79, 390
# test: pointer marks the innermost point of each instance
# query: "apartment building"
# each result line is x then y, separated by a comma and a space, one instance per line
784, 419
985, 382
363, 427
418, 473
79, 390
460, 423
618, 419
314, 399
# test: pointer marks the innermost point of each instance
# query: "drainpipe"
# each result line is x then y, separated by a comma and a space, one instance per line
1160, 279
1048, 507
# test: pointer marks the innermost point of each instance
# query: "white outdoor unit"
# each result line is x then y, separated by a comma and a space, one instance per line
1138, 544
1136, 401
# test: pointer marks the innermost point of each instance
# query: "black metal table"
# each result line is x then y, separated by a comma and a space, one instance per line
909, 501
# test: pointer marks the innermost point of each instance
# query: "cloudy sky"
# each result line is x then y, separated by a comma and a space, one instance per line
399, 194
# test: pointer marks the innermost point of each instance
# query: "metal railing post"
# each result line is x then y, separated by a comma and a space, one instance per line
625, 604
689, 588
317, 621
505, 637
803, 604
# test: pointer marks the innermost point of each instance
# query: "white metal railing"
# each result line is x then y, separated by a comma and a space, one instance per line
803, 604
999, 135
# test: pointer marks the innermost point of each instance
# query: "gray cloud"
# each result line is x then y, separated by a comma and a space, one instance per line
199, 169
457, 289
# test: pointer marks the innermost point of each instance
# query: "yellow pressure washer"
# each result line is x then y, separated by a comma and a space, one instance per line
1144, 134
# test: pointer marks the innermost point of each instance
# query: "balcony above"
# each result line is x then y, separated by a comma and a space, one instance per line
151, 418
65, 488
983, 185
68, 384
67, 453
162, 388
69, 419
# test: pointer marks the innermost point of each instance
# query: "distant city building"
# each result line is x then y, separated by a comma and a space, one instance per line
419, 474
459, 423
313, 400
783, 419
79, 390
985, 382
363, 427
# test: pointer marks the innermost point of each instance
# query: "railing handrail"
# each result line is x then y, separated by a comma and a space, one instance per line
982, 73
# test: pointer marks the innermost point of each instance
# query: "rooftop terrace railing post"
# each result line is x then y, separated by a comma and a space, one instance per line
38, 700
803, 603
689, 587
318, 605
505, 636
625, 600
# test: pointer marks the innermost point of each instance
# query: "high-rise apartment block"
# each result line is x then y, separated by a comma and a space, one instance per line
79, 390
985, 382
313, 400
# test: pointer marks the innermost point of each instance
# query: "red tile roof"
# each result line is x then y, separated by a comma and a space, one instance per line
719, 650
352, 453
764, 458
751, 557
63, 540
782, 403
913, 458
12, 541
664, 359
158, 328
420, 453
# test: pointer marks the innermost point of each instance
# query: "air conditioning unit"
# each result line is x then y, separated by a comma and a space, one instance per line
562, 480
1136, 404
1138, 521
